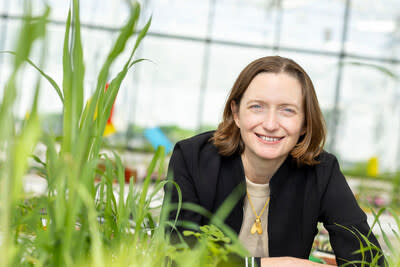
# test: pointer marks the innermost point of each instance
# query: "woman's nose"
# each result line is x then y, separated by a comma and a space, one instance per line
270, 122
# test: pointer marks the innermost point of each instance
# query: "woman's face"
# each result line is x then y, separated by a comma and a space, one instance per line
270, 116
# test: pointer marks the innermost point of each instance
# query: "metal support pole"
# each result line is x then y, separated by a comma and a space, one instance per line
3, 35
278, 27
132, 99
336, 111
206, 64
397, 166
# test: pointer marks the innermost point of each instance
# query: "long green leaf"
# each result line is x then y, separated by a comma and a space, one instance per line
140, 37
379, 68
376, 218
96, 247
47, 77
78, 68
92, 130
143, 194
67, 89
112, 91
125, 33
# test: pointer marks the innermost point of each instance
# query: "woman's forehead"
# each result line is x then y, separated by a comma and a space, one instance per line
268, 87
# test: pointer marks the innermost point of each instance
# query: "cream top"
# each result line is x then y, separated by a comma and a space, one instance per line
256, 244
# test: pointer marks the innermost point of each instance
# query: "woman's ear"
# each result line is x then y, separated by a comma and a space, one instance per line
303, 130
304, 126
235, 112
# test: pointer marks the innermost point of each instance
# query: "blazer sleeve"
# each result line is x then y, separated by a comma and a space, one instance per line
344, 219
180, 171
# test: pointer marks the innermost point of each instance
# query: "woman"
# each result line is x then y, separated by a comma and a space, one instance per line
270, 142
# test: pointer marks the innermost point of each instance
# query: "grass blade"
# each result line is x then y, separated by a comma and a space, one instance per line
47, 77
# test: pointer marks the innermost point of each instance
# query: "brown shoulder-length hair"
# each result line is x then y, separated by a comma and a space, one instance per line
227, 137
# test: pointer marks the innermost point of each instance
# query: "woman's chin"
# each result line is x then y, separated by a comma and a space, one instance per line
271, 156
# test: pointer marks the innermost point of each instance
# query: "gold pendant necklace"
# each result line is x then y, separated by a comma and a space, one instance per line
257, 224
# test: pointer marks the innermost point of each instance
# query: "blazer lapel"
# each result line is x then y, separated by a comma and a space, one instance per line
231, 179
209, 163
285, 212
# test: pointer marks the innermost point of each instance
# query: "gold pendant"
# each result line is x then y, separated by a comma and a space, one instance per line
256, 227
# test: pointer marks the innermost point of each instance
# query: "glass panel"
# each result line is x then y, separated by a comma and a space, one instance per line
26, 81
374, 28
312, 25
13, 28
396, 121
107, 13
182, 17
15, 7
168, 87
124, 105
50, 105
96, 46
369, 105
245, 21
8, 43
59, 9
4, 5
221, 77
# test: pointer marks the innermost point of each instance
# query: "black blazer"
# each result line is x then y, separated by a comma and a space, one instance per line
300, 198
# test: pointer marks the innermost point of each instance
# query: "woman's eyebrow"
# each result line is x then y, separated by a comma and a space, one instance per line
256, 100
290, 104
264, 102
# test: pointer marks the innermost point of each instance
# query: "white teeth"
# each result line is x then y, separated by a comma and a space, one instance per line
269, 139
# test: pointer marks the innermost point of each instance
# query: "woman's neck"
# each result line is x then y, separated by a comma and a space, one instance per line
260, 171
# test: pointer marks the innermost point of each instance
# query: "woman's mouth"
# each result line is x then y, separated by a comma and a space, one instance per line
269, 139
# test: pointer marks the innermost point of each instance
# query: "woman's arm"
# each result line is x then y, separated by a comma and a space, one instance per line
345, 221
180, 173
289, 262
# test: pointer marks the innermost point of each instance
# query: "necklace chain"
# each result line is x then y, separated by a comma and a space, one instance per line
257, 224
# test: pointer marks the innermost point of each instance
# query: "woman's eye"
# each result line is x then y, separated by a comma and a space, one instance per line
289, 110
255, 106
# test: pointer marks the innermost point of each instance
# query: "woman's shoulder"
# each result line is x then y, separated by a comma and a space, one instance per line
198, 144
325, 159
197, 140
199, 154
328, 164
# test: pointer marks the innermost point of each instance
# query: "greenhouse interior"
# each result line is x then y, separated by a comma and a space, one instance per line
95, 95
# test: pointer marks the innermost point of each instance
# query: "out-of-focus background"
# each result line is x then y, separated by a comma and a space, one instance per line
351, 49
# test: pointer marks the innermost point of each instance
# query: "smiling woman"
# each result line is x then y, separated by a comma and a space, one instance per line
270, 117
269, 145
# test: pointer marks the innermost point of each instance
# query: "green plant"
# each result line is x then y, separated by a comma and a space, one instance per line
16, 145
60, 229
370, 253
79, 223
218, 247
